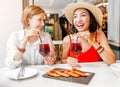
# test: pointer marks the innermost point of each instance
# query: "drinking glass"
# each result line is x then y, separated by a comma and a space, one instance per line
44, 48
76, 48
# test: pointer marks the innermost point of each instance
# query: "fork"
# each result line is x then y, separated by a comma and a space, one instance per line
21, 72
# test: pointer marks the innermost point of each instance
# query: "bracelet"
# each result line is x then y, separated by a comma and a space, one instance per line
22, 50
100, 49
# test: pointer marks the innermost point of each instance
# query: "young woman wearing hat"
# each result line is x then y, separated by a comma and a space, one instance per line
86, 20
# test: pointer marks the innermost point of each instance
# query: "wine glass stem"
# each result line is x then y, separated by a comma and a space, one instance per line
77, 57
77, 61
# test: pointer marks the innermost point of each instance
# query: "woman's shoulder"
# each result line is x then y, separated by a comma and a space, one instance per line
99, 32
46, 34
66, 39
101, 36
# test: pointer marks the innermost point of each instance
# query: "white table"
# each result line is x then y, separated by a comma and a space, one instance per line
104, 77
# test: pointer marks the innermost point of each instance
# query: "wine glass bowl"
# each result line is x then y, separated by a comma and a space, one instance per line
44, 49
76, 48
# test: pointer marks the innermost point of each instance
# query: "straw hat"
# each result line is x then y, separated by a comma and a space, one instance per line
69, 10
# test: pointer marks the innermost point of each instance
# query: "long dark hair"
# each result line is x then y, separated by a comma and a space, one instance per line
93, 24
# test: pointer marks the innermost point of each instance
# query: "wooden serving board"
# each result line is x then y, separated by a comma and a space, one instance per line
81, 80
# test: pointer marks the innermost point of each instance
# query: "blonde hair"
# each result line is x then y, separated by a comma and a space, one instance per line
29, 12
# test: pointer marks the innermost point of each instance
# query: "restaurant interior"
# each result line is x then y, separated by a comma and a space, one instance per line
56, 18
85, 74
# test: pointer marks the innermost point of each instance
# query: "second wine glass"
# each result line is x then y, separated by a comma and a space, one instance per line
76, 48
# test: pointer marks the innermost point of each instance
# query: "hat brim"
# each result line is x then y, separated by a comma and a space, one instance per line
69, 10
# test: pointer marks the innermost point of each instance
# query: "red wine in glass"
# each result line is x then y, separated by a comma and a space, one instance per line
44, 49
76, 48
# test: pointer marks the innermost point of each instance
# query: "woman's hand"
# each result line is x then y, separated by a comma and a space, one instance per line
84, 40
72, 61
31, 33
50, 60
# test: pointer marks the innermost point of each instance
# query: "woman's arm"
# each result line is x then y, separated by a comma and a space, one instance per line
65, 46
12, 51
107, 54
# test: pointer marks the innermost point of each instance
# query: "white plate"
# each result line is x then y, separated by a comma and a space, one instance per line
29, 72
116, 66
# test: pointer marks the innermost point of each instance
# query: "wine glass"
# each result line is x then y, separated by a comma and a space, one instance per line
44, 48
76, 48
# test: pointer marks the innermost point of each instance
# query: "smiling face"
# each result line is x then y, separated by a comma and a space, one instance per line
81, 19
37, 21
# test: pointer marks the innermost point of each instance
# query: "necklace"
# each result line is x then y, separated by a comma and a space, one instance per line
92, 41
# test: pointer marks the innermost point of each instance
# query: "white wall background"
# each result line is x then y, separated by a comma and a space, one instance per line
10, 20
114, 21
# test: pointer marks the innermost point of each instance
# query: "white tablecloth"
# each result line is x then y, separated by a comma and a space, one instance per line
104, 77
